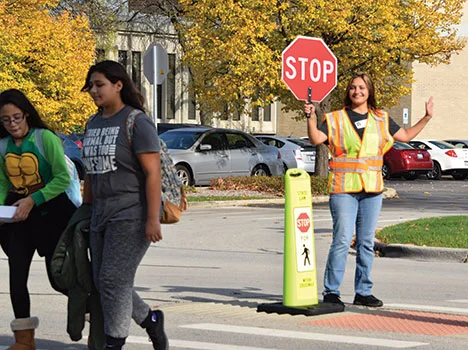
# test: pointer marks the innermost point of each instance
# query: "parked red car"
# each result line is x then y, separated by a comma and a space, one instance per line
405, 160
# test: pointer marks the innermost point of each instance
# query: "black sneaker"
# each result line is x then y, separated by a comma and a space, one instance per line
332, 298
369, 300
156, 331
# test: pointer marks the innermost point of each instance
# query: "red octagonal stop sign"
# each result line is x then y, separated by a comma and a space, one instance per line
308, 62
303, 222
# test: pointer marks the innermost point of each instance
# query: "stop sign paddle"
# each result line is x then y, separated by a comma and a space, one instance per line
309, 68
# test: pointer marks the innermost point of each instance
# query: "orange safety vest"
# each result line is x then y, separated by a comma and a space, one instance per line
356, 165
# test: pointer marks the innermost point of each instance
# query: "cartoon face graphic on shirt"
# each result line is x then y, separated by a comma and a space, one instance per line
23, 170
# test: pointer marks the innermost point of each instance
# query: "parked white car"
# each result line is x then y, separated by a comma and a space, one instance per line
447, 159
295, 152
458, 143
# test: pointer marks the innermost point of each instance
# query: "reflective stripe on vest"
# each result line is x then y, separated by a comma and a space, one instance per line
356, 164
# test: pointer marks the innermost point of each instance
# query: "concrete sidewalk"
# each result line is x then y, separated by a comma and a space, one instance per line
389, 250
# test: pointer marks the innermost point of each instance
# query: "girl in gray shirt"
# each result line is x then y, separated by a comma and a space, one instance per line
123, 184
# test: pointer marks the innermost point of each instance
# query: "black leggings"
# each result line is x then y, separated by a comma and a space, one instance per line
40, 231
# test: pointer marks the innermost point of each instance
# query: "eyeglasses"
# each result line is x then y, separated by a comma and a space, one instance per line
15, 118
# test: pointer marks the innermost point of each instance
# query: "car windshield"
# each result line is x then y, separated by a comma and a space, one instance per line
180, 139
402, 145
442, 144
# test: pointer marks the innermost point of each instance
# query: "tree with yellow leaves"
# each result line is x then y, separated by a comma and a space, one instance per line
46, 55
233, 47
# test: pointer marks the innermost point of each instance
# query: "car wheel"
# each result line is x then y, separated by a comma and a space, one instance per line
184, 174
435, 173
410, 176
386, 172
457, 175
260, 170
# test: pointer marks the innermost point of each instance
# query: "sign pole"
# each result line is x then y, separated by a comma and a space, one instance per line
155, 68
155, 87
405, 117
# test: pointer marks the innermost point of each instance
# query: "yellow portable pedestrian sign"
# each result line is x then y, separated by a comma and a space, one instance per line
299, 274
300, 292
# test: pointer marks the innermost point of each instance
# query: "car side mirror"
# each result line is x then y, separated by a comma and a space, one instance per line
205, 147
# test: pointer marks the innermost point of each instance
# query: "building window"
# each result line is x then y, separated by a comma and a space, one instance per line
255, 114
171, 86
136, 69
100, 55
267, 113
192, 109
192, 103
123, 59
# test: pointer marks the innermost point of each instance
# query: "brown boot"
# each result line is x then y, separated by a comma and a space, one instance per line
24, 333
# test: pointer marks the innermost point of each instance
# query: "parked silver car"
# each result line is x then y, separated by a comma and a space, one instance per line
201, 154
295, 152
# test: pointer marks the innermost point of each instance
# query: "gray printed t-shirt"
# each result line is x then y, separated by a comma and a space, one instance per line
116, 177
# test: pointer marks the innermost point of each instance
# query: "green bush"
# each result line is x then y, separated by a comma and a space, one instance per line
267, 184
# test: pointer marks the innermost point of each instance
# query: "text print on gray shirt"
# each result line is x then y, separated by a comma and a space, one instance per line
99, 150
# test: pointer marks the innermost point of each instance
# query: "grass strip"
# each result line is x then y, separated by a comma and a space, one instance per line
446, 231
223, 198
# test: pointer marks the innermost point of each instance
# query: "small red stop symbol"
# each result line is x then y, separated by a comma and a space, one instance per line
303, 222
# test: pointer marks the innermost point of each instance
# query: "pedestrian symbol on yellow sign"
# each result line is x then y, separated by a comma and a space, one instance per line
306, 253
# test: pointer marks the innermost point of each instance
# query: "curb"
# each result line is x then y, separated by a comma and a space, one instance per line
388, 193
459, 255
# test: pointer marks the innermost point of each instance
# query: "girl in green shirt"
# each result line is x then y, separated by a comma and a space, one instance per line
34, 181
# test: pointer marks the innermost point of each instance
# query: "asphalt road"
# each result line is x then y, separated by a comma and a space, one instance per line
445, 195
212, 270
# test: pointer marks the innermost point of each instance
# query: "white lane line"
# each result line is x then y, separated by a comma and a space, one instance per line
461, 301
388, 343
188, 344
194, 344
429, 308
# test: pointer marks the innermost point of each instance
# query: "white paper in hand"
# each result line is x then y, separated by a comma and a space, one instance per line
7, 212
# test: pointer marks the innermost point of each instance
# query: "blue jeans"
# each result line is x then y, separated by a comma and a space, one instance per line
350, 211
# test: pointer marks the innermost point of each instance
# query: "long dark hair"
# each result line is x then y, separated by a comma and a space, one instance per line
371, 103
114, 72
17, 98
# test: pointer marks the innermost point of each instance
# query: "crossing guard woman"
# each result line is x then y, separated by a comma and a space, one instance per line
357, 137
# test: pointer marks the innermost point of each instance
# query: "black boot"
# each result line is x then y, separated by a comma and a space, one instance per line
154, 325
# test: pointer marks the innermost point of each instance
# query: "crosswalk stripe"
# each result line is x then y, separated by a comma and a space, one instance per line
429, 308
389, 343
184, 344
194, 344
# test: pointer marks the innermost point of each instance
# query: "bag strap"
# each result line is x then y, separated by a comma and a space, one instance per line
130, 124
3, 146
37, 140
